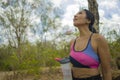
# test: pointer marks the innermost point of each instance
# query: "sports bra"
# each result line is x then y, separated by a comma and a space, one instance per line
86, 58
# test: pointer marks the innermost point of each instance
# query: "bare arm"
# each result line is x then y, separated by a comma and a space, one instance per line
71, 42
103, 51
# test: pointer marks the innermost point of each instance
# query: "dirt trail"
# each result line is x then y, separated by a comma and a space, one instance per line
2, 74
46, 74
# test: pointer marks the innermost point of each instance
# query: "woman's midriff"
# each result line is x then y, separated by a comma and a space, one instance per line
84, 72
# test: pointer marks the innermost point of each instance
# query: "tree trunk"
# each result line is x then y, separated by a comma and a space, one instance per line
93, 7
118, 62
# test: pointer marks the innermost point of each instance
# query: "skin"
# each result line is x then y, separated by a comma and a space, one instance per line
98, 43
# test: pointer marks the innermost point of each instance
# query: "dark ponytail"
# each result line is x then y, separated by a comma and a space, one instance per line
92, 29
90, 17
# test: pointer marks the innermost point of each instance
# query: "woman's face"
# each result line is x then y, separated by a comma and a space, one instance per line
80, 19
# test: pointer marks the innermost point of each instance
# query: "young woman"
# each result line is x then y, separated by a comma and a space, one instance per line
89, 50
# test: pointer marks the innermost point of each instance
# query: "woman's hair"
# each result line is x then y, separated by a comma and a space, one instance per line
90, 17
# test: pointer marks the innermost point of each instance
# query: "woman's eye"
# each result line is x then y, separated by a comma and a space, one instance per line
80, 12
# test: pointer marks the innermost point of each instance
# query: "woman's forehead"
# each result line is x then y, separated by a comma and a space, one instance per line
83, 11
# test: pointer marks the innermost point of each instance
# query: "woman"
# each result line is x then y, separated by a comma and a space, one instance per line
89, 50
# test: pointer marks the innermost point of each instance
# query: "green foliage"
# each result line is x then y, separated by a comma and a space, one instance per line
16, 18
5, 53
114, 43
42, 54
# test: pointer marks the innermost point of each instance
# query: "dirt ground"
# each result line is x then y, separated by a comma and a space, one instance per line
46, 74
28, 77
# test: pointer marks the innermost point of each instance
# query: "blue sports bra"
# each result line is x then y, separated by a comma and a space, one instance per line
86, 58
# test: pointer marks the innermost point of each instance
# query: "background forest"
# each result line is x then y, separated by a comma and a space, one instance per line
32, 36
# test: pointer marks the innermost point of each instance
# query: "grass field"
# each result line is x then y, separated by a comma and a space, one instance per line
44, 74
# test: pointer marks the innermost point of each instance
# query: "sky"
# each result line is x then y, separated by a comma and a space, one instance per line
109, 11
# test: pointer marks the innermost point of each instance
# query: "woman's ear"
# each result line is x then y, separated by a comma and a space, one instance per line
88, 22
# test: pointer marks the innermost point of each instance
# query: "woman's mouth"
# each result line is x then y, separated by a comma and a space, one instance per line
74, 19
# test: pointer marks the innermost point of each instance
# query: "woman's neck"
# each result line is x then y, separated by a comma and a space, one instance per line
84, 31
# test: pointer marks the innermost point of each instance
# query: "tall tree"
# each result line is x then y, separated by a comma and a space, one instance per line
19, 16
49, 18
15, 19
93, 7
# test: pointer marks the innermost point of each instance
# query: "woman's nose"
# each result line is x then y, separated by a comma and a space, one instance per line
75, 15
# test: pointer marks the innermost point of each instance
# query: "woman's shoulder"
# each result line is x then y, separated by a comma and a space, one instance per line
99, 38
72, 41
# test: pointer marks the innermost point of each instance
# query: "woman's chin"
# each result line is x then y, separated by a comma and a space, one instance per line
75, 24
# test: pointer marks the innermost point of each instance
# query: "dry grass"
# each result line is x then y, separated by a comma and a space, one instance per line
116, 74
44, 74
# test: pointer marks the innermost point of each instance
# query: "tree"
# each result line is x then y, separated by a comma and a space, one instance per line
93, 7
115, 46
49, 18
15, 19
